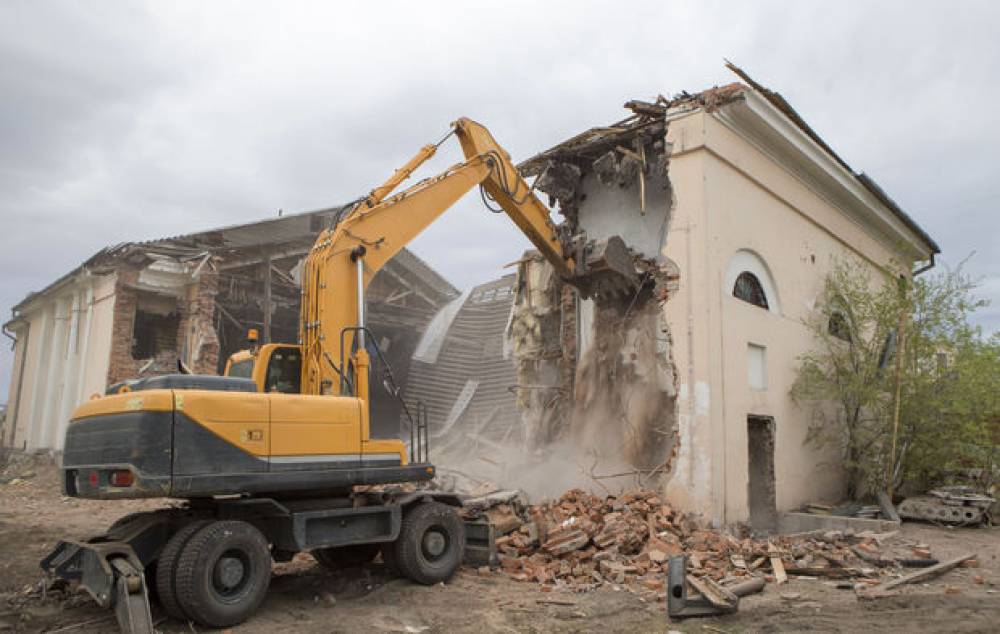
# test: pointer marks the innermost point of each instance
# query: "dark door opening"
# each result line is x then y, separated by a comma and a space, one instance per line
760, 465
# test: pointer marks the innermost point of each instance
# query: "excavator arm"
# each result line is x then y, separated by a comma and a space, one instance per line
348, 255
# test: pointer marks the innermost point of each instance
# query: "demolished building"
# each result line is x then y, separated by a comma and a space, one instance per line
137, 309
736, 209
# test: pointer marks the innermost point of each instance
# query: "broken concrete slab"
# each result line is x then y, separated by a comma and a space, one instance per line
794, 522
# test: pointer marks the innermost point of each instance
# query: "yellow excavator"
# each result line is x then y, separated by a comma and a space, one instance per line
269, 458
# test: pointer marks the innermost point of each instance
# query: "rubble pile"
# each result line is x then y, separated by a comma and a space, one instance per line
580, 542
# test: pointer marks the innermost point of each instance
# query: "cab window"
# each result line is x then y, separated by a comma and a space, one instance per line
241, 369
284, 372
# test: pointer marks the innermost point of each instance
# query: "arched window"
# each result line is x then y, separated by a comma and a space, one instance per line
838, 326
748, 278
749, 289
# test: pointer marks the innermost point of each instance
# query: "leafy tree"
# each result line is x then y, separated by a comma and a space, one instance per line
949, 375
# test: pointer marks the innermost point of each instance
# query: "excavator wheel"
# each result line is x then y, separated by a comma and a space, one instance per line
166, 569
223, 573
346, 556
430, 544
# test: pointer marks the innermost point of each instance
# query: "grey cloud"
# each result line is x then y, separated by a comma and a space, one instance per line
135, 121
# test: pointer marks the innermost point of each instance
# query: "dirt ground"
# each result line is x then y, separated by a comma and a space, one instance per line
307, 598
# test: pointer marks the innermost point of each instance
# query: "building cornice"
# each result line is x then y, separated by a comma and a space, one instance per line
760, 123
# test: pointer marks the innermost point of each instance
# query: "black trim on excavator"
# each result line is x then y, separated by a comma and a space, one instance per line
169, 454
186, 382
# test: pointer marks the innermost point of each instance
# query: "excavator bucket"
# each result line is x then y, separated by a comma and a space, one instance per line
605, 270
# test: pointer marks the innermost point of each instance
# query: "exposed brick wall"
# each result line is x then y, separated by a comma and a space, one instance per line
121, 365
196, 340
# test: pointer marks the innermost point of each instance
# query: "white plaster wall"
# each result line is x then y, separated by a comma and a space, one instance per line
98, 353
67, 358
17, 373
697, 468
612, 210
730, 197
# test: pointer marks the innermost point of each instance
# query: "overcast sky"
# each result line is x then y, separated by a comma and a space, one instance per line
129, 121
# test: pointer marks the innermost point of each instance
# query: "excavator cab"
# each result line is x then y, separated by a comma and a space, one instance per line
273, 367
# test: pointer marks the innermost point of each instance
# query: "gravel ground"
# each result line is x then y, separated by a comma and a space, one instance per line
307, 598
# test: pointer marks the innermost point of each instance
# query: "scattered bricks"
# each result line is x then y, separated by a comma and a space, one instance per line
540, 527
971, 563
503, 519
603, 555
510, 564
581, 542
566, 542
652, 583
921, 551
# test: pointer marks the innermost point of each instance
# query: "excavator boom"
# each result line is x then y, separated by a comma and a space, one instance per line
347, 256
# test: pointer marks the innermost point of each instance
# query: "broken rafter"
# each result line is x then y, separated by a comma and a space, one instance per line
225, 313
923, 575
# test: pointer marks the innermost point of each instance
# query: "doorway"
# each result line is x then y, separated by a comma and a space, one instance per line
760, 466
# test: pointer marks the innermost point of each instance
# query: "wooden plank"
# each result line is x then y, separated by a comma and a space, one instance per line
713, 592
779, 570
829, 573
924, 574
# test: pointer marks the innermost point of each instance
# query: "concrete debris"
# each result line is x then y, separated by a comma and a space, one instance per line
847, 509
560, 180
951, 505
580, 542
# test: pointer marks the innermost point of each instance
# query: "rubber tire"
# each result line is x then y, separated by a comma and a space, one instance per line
410, 557
197, 562
166, 569
346, 556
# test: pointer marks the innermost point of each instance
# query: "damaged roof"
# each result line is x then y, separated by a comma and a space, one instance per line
650, 118
287, 230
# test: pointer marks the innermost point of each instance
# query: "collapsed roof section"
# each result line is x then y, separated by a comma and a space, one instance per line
235, 246
618, 150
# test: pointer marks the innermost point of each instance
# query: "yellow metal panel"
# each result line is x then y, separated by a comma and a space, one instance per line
303, 425
383, 446
240, 418
149, 400
329, 276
